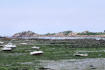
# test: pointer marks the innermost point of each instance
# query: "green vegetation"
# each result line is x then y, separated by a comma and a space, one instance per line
92, 33
64, 32
50, 34
67, 32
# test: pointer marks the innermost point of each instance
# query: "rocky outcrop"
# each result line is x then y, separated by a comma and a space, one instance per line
26, 34
32, 34
59, 34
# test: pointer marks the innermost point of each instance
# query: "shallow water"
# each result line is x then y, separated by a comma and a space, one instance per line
97, 38
75, 64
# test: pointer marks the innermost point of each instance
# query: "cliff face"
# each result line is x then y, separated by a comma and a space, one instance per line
26, 34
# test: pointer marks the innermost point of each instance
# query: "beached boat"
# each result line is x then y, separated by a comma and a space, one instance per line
23, 43
80, 54
10, 45
34, 47
6, 49
36, 52
1, 42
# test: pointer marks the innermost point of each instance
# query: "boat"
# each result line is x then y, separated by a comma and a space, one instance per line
6, 49
36, 52
34, 47
1, 42
23, 43
10, 45
80, 54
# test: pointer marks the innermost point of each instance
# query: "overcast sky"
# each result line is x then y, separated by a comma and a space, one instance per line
43, 16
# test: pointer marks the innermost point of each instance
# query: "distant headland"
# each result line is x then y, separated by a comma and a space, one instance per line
60, 34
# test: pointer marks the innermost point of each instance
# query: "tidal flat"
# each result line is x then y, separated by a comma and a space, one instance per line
58, 55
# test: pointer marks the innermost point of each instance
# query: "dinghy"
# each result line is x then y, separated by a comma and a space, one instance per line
34, 47
36, 52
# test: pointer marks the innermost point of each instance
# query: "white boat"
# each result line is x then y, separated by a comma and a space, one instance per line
36, 52
81, 54
6, 49
1, 42
10, 45
34, 47
23, 43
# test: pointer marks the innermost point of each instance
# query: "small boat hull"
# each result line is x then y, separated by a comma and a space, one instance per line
36, 53
6, 49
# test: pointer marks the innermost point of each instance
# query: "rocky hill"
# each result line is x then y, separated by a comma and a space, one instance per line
26, 34
32, 34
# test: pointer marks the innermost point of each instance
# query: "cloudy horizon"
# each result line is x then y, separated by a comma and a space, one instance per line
44, 16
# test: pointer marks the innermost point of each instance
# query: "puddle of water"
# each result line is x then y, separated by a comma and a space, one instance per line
13, 54
27, 63
79, 64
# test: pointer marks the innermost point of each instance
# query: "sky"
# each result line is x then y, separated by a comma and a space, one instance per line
44, 16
